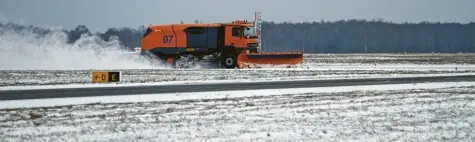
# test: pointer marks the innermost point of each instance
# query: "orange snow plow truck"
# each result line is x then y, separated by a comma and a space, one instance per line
230, 45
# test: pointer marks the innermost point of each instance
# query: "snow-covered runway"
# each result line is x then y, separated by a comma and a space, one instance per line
426, 112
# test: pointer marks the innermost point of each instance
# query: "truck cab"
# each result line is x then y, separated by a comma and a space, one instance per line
242, 35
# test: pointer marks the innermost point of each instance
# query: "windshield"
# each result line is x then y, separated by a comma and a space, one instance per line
250, 31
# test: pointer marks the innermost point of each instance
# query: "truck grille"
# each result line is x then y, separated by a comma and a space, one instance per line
252, 47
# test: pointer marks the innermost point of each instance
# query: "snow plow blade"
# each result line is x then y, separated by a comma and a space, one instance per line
258, 60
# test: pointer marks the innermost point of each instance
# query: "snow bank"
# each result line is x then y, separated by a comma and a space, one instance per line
220, 94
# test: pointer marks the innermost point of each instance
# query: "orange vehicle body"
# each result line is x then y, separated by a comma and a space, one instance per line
234, 44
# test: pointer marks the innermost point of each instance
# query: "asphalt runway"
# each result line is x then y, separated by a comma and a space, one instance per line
136, 90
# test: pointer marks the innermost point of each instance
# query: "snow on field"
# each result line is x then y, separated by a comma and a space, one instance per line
316, 66
190, 82
390, 67
390, 58
62, 77
416, 112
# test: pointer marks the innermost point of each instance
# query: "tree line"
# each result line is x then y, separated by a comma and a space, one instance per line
343, 36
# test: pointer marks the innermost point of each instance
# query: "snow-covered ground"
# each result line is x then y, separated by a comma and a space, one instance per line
390, 58
190, 82
408, 112
316, 66
81, 77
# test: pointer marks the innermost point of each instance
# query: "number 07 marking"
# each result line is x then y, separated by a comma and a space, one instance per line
167, 38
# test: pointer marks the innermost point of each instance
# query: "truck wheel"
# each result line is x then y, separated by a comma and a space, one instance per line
230, 61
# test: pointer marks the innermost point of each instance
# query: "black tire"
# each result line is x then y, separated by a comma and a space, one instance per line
229, 61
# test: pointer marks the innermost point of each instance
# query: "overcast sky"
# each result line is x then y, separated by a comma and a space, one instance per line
102, 14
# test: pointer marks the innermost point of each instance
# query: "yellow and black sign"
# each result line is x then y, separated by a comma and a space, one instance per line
190, 49
103, 77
